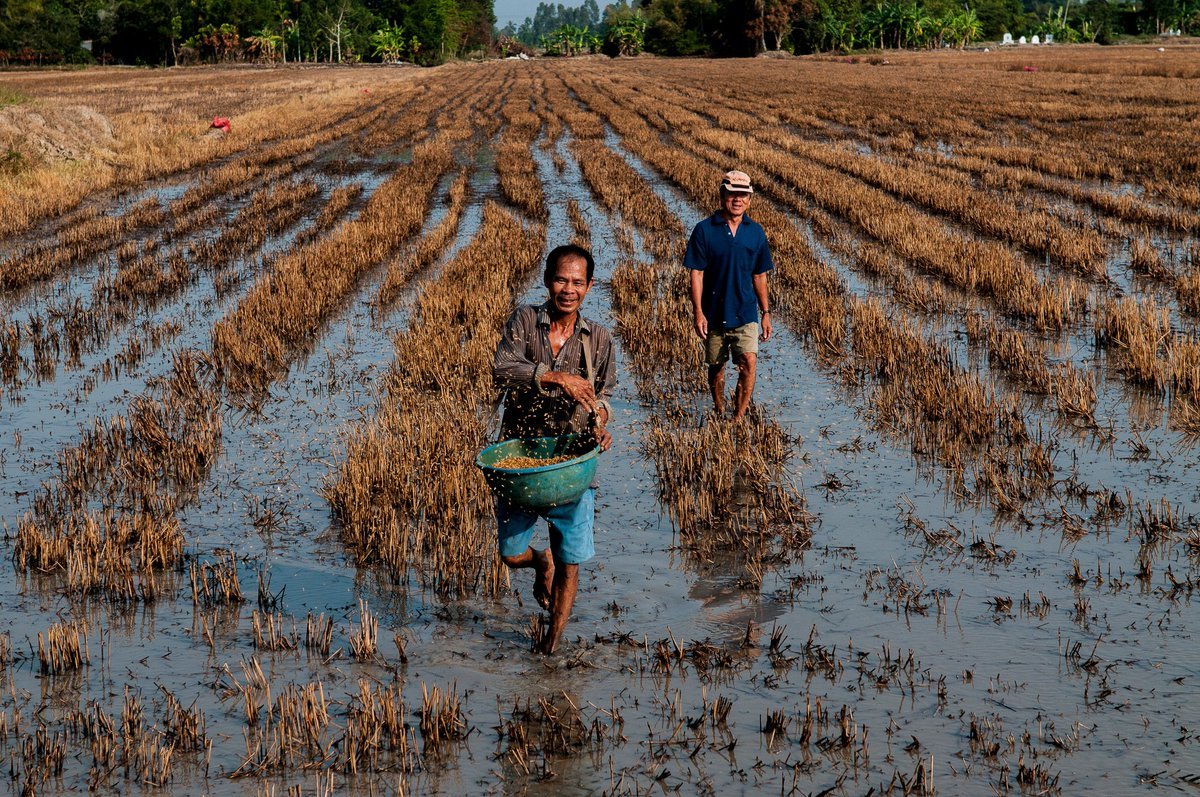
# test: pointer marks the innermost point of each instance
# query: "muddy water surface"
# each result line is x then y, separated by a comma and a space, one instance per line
923, 633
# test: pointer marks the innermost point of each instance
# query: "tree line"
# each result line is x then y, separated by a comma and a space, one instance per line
157, 32
750, 27
432, 31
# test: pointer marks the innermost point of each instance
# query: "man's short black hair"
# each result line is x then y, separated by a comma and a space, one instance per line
567, 250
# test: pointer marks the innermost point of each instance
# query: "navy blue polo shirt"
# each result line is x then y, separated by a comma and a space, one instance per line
729, 263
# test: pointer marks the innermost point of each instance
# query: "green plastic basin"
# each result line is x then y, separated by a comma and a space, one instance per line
546, 486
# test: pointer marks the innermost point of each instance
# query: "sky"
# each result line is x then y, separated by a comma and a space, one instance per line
515, 11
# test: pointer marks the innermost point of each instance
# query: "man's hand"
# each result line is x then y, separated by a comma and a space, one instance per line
603, 438
765, 333
574, 386
696, 288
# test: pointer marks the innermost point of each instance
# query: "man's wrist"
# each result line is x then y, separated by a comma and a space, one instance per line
540, 380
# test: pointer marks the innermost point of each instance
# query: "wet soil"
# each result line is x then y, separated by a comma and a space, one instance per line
957, 640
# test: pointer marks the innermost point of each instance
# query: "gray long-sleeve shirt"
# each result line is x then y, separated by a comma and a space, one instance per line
524, 355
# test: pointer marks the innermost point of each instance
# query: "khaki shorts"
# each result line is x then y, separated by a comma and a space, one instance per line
722, 344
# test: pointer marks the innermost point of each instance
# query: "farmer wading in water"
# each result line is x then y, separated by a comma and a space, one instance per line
729, 259
542, 361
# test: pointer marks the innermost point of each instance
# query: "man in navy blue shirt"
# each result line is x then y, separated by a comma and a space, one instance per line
729, 259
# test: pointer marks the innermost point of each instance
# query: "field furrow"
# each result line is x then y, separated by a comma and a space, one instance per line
953, 542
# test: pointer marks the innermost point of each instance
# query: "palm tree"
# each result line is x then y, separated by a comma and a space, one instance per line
566, 39
922, 27
1056, 24
388, 43
966, 27
875, 24
910, 21
939, 29
896, 21
838, 33
1189, 16
628, 34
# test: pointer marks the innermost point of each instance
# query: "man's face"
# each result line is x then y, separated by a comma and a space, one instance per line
735, 203
569, 284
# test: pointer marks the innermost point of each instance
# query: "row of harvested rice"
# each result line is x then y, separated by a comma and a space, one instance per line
143, 465
425, 251
253, 344
89, 233
916, 402
515, 165
1032, 228
406, 492
722, 484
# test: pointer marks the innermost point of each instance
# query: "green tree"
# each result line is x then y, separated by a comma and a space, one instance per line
1055, 23
389, 44
681, 27
820, 25
437, 28
1101, 17
47, 30
268, 44
627, 33
997, 17
218, 42
896, 23
836, 34
549, 18
1182, 15
566, 40
874, 25
965, 28
939, 29
176, 34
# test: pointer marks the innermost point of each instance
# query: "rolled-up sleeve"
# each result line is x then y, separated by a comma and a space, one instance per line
512, 365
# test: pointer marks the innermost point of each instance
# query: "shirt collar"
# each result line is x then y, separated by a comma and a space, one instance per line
718, 218
543, 318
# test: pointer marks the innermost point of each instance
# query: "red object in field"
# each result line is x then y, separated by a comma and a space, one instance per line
366, 91
220, 123
1031, 69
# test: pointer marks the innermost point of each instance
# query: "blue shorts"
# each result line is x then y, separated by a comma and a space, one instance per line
570, 528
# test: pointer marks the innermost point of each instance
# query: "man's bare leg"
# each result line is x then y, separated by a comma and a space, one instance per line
566, 584
543, 581
716, 385
746, 364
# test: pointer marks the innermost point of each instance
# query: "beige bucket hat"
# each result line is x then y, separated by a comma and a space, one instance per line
736, 182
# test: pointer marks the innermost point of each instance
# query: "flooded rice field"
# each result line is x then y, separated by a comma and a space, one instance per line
952, 549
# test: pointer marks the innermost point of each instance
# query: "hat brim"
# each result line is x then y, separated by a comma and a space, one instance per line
737, 189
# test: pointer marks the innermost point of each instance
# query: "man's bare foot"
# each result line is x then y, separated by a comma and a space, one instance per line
543, 579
